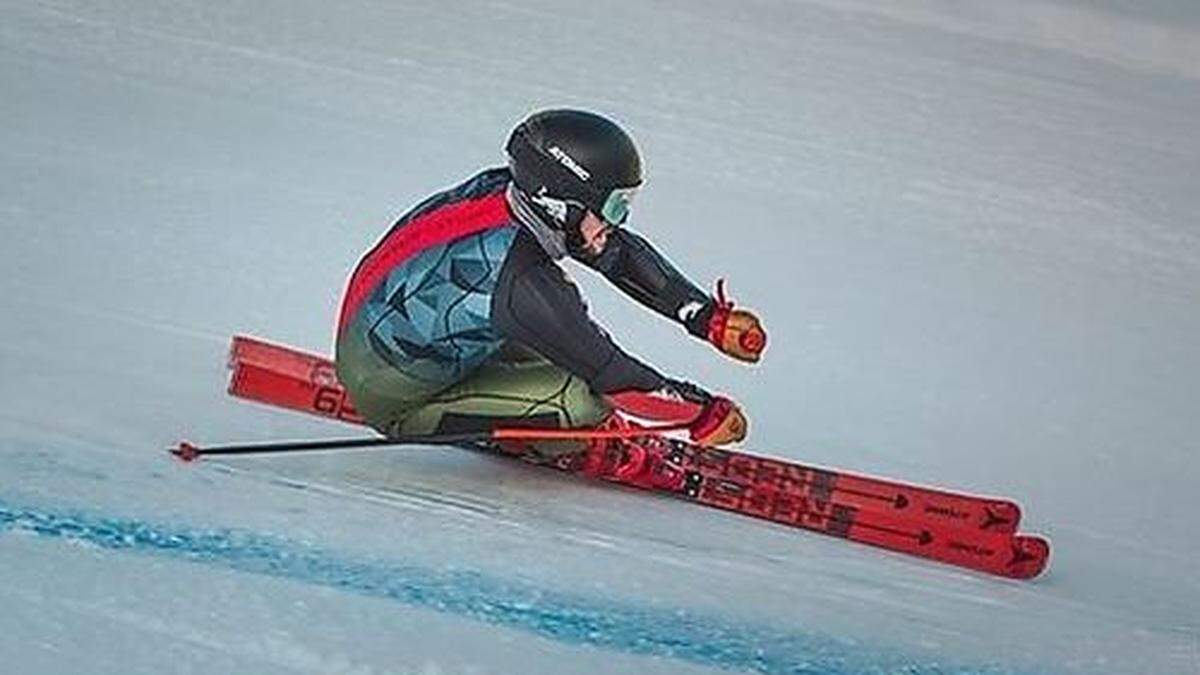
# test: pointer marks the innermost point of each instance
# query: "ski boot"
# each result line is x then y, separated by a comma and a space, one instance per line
640, 461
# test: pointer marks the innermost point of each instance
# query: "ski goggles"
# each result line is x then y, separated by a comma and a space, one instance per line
616, 207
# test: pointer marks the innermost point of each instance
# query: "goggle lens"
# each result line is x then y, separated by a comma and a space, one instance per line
616, 207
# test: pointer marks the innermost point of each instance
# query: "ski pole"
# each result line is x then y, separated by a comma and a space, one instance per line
188, 452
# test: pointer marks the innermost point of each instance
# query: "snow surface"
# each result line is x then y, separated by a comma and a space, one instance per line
970, 226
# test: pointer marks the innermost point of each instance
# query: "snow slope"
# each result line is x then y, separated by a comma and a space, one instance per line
969, 226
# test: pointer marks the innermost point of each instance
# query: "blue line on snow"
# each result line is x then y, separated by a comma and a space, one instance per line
558, 616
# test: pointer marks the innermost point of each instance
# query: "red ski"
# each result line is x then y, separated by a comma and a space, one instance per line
836, 512
286, 377
965, 530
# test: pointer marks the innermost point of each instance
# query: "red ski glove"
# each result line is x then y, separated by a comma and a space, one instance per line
720, 422
736, 332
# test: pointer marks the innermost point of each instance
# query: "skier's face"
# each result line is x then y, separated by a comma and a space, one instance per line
595, 234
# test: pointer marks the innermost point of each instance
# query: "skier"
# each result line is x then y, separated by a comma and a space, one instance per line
461, 319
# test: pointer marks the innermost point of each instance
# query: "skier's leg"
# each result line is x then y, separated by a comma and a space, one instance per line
379, 390
528, 391
516, 387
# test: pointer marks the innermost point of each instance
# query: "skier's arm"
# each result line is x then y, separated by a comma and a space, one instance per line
633, 265
536, 305
630, 262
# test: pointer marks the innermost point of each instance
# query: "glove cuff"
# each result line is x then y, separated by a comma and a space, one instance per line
744, 339
710, 418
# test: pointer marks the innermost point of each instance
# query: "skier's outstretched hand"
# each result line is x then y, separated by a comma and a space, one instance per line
736, 332
720, 422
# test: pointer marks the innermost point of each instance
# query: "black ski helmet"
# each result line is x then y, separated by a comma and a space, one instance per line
578, 158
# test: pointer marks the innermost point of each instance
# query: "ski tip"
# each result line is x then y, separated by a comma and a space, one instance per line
1030, 556
185, 451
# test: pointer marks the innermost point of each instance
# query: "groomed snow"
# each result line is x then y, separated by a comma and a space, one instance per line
970, 228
